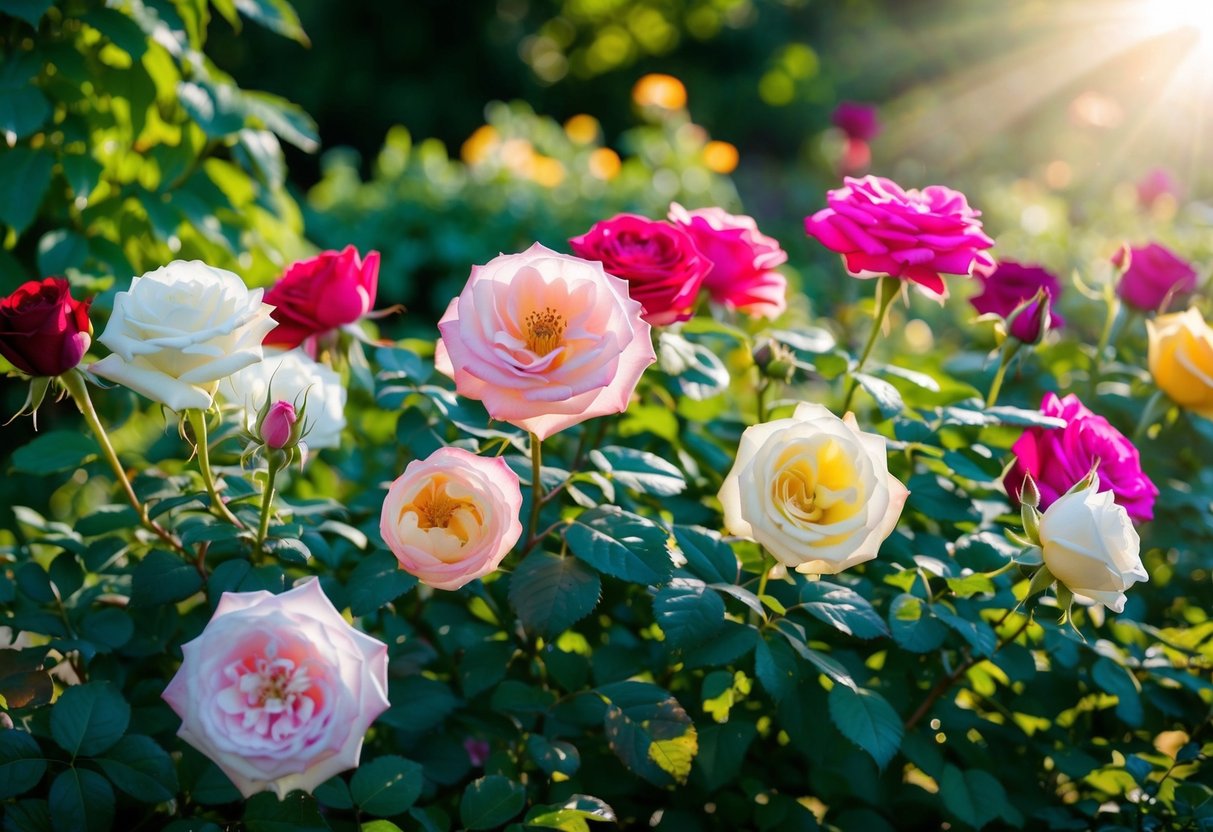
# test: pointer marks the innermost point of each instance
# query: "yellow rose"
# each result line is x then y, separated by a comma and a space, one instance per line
814, 490
1181, 359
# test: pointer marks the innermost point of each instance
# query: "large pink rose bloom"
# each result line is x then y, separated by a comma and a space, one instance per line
1156, 277
660, 262
322, 293
1059, 457
743, 275
881, 229
452, 517
545, 340
278, 690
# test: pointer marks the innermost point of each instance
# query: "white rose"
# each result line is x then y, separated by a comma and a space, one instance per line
179, 329
294, 375
814, 490
1090, 545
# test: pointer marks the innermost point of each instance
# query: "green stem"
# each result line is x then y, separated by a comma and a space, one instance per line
1009, 348
886, 291
267, 504
536, 485
197, 420
73, 382
764, 385
1106, 338
1147, 416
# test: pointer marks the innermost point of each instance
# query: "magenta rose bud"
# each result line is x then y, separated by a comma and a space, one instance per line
858, 121
1057, 458
1155, 277
881, 229
321, 294
743, 259
660, 262
278, 690
1030, 321
278, 424
44, 331
1008, 284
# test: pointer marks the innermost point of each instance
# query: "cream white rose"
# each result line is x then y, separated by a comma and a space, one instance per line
293, 375
1090, 545
180, 329
814, 490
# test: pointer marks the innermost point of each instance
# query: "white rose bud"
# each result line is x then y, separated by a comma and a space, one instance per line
813, 489
180, 329
1090, 545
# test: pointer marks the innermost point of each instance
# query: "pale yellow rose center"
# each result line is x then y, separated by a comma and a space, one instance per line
445, 522
817, 488
544, 331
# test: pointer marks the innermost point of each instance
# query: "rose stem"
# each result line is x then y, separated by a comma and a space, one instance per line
73, 382
886, 291
197, 421
1147, 416
1105, 338
267, 502
536, 486
1009, 348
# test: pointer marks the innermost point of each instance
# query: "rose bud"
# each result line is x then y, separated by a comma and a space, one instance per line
278, 424
1030, 320
44, 331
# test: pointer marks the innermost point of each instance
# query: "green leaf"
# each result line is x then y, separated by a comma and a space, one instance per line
649, 731
552, 593
377, 580
843, 609
140, 767
912, 625
60, 250
88, 719
386, 785
22, 763
980, 635
722, 750
23, 107
65, 573
109, 628
25, 176
975, 796
866, 719
276, 15
620, 544
775, 666
553, 756
708, 556
161, 578
484, 665
297, 813
334, 793
30, 815
639, 470
30, 11
1121, 683
58, 450
380, 826
81, 801
688, 611
491, 801
886, 395
572, 816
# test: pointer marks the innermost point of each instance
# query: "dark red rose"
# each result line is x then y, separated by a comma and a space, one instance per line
44, 331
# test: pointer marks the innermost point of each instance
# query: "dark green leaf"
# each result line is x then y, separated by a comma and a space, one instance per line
161, 578
912, 625
552, 593
25, 175
842, 608
61, 250
708, 556
639, 470
620, 544
571, 816
886, 395
57, 450
30, 11
297, 813
649, 731
141, 768
775, 666
81, 801
109, 628
22, 763
276, 15
88, 719
867, 720
553, 756
376, 580
722, 751
386, 786
23, 106
1119, 682
65, 573
974, 796
484, 665
491, 801
30, 815
688, 612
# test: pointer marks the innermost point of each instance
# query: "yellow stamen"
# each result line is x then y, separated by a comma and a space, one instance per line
436, 509
544, 331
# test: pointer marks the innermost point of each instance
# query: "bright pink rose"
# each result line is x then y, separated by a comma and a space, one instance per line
857, 121
743, 275
452, 517
1007, 284
278, 424
278, 690
323, 293
545, 340
1059, 457
918, 236
44, 331
659, 261
1156, 277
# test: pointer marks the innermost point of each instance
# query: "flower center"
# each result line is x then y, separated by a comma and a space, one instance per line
544, 331
437, 509
271, 696
817, 487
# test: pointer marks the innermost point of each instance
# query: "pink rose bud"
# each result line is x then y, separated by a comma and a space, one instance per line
1008, 284
478, 751
857, 121
1030, 320
278, 424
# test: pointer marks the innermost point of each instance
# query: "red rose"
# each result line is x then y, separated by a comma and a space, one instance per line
44, 331
321, 294
659, 261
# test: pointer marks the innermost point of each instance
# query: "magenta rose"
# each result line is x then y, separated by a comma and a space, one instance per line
1057, 458
320, 294
1155, 278
1031, 320
1155, 185
278, 690
659, 261
857, 121
743, 259
44, 331
881, 229
1008, 284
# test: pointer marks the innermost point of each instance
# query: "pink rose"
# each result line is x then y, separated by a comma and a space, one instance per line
857, 121
321, 294
1057, 458
1031, 320
659, 261
1008, 284
452, 517
743, 275
278, 424
545, 340
278, 690
1155, 278
1155, 185
918, 236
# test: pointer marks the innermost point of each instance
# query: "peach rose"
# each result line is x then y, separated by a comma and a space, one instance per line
278, 690
452, 517
545, 340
